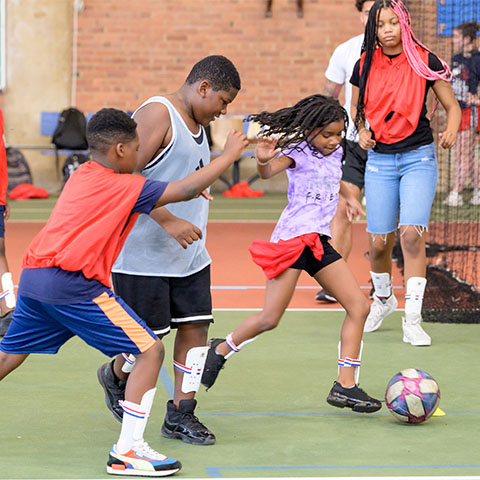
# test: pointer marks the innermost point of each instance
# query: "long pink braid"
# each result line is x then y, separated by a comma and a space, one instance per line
409, 41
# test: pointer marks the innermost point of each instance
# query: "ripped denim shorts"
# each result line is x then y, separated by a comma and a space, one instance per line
400, 188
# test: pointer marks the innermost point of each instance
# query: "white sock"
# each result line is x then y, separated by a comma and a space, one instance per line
8, 289
414, 295
135, 418
382, 284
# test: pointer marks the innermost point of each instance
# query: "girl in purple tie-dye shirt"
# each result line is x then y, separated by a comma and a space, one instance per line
305, 141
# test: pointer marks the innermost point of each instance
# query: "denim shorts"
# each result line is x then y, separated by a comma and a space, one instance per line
400, 188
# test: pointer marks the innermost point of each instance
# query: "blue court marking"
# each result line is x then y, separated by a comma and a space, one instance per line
314, 287
166, 381
215, 472
299, 414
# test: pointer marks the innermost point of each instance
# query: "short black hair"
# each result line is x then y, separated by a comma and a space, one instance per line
218, 70
469, 30
108, 127
359, 4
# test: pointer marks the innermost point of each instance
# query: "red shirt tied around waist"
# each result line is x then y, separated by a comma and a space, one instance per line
274, 258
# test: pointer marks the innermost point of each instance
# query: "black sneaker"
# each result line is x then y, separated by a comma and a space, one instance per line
324, 296
5, 322
354, 398
213, 364
181, 423
114, 389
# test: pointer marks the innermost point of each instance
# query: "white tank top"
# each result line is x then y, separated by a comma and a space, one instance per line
149, 250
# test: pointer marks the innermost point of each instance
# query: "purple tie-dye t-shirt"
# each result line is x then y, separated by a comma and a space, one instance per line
313, 189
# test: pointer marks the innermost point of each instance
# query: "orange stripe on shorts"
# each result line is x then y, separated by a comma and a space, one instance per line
121, 318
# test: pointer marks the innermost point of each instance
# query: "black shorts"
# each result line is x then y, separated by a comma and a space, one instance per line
308, 262
2, 221
353, 168
167, 302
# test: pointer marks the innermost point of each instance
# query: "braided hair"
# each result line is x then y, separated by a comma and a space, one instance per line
409, 42
294, 125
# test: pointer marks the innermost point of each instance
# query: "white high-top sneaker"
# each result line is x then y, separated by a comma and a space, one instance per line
378, 311
413, 332
454, 199
475, 200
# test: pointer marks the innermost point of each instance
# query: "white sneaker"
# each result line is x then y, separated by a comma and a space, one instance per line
378, 311
413, 332
454, 199
475, 200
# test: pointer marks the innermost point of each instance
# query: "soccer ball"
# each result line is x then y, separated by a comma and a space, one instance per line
412, 396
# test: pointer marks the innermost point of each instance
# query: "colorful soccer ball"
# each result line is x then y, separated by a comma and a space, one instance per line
412, 396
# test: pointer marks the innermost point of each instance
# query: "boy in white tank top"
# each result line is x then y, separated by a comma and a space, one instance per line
167, 285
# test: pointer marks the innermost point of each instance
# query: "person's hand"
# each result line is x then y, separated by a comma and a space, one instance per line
354, 209
266, 149
235, 144
184, 232
206, 195
365, 139
448, 139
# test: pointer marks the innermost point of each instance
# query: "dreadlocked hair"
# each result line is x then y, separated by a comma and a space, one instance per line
294, 125
409, 42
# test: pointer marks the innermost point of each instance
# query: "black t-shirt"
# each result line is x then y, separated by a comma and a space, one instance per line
423, 133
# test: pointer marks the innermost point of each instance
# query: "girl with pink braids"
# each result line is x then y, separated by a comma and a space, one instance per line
390, 85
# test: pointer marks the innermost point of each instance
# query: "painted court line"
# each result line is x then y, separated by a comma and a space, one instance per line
215, 472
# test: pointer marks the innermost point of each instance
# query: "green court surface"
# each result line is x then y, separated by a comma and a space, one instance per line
263, 208
267, 409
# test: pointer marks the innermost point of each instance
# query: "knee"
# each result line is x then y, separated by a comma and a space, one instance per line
412, 241
378, 250
156, 352
267, 322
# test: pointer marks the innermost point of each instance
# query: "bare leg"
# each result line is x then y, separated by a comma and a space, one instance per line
9, 362
381, 252
300, 8
413, 248
338, 279
278, 294
341, 226
145, 372
268, 13
187, 337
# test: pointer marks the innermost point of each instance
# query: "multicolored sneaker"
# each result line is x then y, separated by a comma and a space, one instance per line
181, 423
141, 460
114, 389
354, 398
213, 364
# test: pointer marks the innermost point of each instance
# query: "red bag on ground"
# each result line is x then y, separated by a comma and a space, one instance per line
25, 191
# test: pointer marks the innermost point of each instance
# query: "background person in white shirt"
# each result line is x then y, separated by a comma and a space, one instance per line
338, 74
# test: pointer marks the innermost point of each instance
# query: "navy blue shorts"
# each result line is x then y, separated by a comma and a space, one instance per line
106, 323
2, 221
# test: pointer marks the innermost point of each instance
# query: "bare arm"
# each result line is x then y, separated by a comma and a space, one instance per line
365, 139
332, 89
445, 95
354, 207
265, 153
154, 132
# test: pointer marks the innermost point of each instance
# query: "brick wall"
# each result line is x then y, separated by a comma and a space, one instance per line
128, 51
